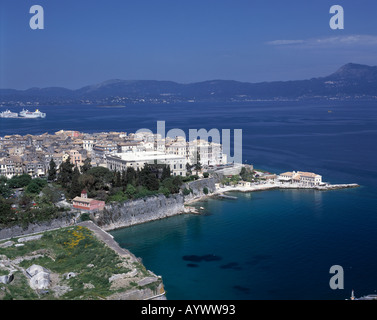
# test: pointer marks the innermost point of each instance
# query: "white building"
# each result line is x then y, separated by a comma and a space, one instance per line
306, 178
88, 144
211, 154
121, 161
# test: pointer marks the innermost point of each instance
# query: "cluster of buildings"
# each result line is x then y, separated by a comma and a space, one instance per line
305, 178
32, 154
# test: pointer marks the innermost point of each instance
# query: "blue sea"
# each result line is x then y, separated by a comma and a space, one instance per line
268, 244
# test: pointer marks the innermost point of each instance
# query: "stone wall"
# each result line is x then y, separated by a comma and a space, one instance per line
65, 220
125, 214
197, 188
128, 213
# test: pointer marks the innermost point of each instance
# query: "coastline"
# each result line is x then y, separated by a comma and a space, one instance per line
267, 186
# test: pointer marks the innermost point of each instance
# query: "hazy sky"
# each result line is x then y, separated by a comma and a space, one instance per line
86, 42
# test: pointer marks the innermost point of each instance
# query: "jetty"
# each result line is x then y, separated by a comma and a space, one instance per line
220, 190
227, 197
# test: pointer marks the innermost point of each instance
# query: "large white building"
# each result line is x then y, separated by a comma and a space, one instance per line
137, 160
211, 154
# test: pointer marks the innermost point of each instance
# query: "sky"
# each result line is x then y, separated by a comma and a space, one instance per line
87, 42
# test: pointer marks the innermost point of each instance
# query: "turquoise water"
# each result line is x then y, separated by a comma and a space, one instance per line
270, 245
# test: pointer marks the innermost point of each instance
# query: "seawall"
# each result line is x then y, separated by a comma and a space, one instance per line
65, 220
128, 213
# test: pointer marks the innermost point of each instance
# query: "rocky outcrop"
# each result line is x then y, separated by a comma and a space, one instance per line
39, 277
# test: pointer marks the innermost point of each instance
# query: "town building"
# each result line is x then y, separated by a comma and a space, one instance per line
121, 161
85, 203
305, 178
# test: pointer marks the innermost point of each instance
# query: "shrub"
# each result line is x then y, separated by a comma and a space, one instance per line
165, 191
119, 197
186, 191
205, 190
85, 216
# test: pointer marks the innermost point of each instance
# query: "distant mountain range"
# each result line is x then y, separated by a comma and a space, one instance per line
351, 81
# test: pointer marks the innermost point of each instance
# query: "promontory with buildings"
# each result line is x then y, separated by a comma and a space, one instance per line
60, 190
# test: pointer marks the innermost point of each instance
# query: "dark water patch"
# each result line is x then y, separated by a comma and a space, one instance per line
211, 257
264, 268
206, 257
261, 256
231, 265
192, 265
272, 292
258, 258
242, 289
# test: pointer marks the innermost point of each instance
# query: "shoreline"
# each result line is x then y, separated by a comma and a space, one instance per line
269, 186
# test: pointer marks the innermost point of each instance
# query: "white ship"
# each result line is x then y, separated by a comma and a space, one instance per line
8, 114
29, 114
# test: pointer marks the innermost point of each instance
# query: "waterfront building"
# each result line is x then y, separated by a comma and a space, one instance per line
305, 178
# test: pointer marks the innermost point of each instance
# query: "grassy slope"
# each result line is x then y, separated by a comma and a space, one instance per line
72, 249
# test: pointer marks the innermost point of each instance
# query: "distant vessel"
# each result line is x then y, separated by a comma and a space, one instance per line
8, 114
29, 114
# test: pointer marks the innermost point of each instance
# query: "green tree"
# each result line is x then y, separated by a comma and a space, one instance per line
52, 170
198, 165
188, 168
148, 178
130, 191
172, 184
165, 191
33, 187
76, 188
19, 181
65, 173
102, 177
87, 181
165, 172
5, 211
86, 166
5, 191
51, 194
118, 179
